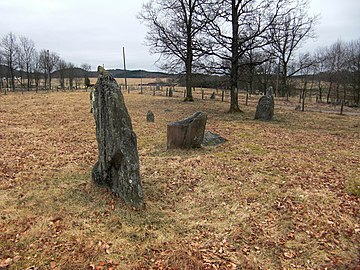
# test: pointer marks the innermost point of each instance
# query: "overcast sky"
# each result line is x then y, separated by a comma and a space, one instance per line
94, 32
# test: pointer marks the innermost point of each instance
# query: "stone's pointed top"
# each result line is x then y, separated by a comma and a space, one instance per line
104, 74
269, 91
101, 70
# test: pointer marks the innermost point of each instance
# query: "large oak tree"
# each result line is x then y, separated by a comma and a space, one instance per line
174, 33
240, 27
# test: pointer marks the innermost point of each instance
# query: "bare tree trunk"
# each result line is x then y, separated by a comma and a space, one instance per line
188, 81
188, 63
5, 88
303, 101
303, 97
320, 91
344, 99
329, 92
311, 89
12, 78
283, 84
45, 82
28, 80
21, 80
49, 80
342, 107
234, 98
277, 79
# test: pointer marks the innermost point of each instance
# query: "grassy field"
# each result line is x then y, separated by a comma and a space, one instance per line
135, 81
278, 195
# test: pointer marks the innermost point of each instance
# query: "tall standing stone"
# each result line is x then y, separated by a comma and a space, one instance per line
265, 107
118, 166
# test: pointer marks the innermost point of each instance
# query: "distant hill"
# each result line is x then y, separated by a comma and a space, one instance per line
77, 72
117, 73
120, 73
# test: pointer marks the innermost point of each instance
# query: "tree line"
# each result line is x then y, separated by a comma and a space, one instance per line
249, 44
19, 56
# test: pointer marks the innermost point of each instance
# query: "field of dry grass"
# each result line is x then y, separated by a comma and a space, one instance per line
277, 195
134, 81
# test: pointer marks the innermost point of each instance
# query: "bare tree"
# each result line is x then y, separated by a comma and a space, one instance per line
9, 52
266, 74
48, 61
307, 72
255, 70
62, 69
319, 66
288, 34
329, 62
36, 68
354, 69
174, 27
27, 52
1, 72
340, 67
240, 27
71, 75
335, 62
43, 60
86, 67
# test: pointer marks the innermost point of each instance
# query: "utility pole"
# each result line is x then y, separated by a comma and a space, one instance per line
48, 68
141, 86
126, 87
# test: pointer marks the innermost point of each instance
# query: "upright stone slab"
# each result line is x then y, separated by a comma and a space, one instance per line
187, 133
265, 107
118, 165
150, 117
